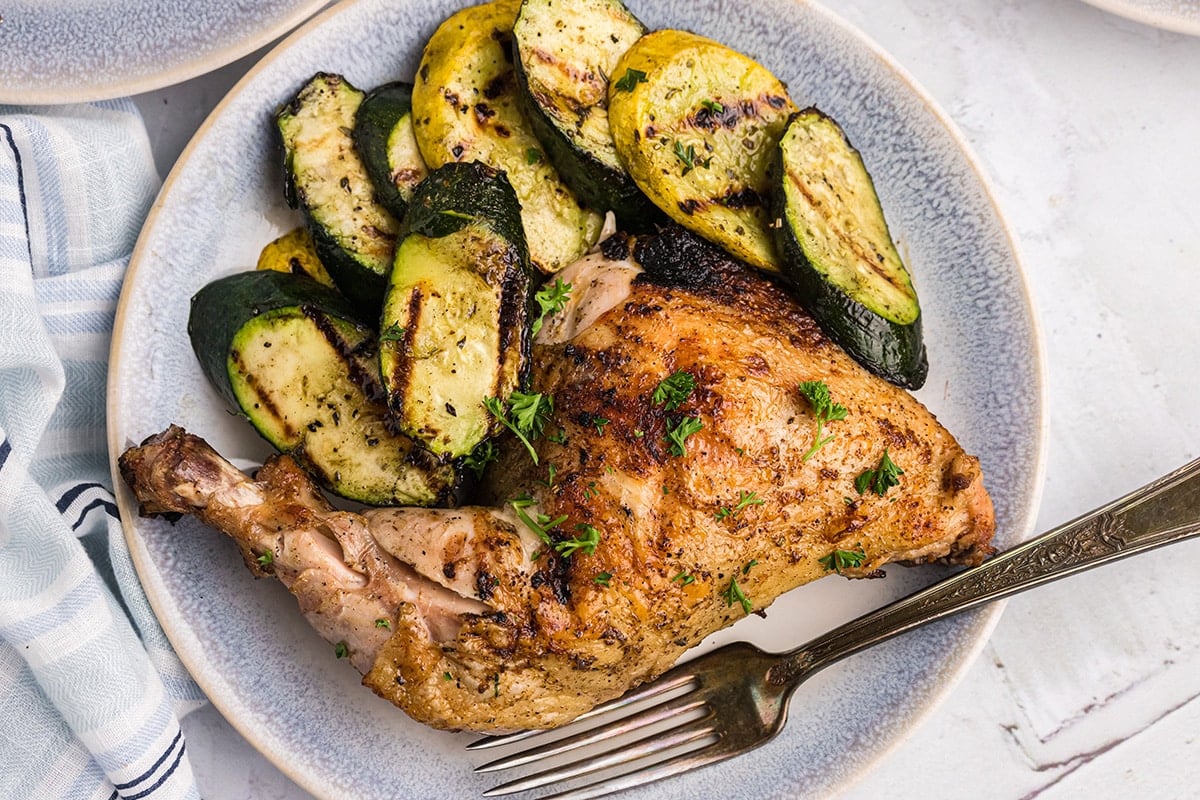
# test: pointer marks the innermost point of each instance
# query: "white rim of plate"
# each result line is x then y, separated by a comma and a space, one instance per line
986, 619
1165, 20
184, 71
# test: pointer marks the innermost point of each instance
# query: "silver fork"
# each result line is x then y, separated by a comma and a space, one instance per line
735, 698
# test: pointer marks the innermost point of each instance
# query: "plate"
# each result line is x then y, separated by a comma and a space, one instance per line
279, 683
1181, 16
73, 51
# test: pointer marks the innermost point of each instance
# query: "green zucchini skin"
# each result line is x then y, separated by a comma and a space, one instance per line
354, 236
564, 51
296, 359
459, 303
383, 136
837, 251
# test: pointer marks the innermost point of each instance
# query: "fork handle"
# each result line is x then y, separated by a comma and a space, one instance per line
1160, 513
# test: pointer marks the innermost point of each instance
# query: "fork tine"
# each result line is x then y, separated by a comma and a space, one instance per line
665, 683
662, 712
667, 768
685, 734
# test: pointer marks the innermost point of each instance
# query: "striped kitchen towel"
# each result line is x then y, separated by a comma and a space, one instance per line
90, 690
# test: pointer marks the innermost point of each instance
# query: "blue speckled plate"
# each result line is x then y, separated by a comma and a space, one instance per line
281, 686
68, 51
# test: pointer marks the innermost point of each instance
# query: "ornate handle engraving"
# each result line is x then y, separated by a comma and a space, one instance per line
1163, 512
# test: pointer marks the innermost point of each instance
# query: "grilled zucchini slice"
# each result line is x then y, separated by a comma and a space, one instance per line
383, 137
695, 123
565, 51
355, 236
292, 355
838, 252
467, 107
294, 252
455, 324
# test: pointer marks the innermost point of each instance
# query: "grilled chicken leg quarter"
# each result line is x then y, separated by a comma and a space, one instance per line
466, 618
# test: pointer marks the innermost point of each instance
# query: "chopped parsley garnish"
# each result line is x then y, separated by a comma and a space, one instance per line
542, 524
603, 578
681, 431
551, 474
266, 559
734, 594
341, 650
744, 499
673, 390
478, 459
713, 106
688, 157
558, 438
587, 543
751, 563
824, 409
839, 560
551, 299
599, 422
533, 155
630, 79
392, 333
591, 490
524, 414
383, 623
880, 479
446, 676
683, 579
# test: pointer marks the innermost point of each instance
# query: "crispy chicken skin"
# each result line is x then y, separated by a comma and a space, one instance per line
488, 627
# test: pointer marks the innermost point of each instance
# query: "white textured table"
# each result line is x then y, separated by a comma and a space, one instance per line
1089, 127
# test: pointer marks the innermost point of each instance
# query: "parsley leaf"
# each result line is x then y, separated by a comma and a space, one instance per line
266, 559
824, 409
478, 459
880, 479
713, 106
674, 389
680, 431
599, 422
392, 333
688, 157
734, 594
383, 623
551, 298
529, 413
587, 543
683, 579
533, 156
839, 560
603, 578
630, 79
744, 499
341, 650
541, 524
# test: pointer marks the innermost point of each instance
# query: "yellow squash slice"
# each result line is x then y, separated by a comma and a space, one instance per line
696, 125
467, 107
